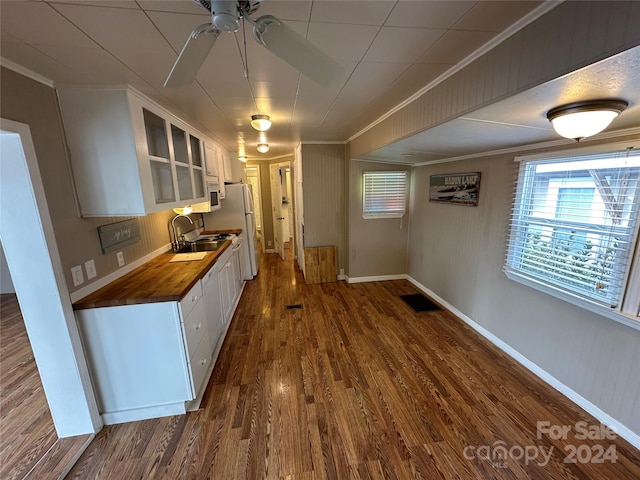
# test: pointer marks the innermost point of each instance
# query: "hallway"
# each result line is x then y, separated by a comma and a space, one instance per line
353, 384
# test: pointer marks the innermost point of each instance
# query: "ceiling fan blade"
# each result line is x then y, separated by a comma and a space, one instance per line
296, 50
192, 56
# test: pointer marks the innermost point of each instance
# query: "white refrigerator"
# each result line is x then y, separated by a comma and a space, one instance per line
237, 212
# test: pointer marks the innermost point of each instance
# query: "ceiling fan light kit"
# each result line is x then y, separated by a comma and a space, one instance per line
263, 147
261, 123
579, 120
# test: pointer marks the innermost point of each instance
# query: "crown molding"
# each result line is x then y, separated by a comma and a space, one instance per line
26, 72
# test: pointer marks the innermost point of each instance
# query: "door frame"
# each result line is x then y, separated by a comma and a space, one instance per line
38, 277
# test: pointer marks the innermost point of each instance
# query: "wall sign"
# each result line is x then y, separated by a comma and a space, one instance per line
120, 234
455, 188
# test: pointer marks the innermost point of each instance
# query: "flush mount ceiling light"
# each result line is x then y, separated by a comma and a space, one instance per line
263, 147
584, 119
262, 123
242, 158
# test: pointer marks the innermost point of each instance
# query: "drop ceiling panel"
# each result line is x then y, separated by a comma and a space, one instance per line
36, 23
401, 45
133, 29
341, 41
33, 59
494, 16
176, 27
354, 13
455, 45
298, 10
428, 14
177, 6
101, 3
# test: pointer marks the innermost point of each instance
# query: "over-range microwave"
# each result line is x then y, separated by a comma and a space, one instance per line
213, 194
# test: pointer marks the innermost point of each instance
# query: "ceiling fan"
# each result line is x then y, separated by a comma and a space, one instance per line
268, 31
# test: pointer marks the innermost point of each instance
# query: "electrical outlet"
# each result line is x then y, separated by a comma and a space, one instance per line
342, 272
90, 267
120, 257
268, 243
76, 273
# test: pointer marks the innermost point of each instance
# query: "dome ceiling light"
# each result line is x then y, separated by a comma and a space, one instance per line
579, 120
263, 147
262, 123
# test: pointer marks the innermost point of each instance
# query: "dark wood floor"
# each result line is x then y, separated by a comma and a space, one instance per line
355, 385
29, 446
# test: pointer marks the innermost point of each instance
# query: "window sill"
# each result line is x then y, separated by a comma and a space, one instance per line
620, 317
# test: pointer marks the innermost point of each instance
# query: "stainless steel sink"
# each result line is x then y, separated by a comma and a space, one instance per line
210, 246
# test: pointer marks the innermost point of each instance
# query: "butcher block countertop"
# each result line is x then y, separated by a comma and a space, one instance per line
157, 280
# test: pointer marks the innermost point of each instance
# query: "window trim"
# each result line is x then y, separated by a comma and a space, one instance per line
630, 302
380, 215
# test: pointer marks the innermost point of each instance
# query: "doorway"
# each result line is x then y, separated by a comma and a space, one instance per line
283, 208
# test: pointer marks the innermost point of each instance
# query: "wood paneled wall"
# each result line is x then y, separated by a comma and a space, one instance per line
324, 191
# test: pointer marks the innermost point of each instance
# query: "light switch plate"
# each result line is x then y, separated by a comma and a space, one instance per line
76, 273
120, 257
90, 267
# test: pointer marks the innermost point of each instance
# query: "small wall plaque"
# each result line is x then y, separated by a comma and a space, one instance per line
120, 234
455, 188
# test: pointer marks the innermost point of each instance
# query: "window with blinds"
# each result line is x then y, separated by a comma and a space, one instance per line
384, 194
574, 223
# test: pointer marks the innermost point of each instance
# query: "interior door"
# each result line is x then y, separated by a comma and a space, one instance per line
276, 201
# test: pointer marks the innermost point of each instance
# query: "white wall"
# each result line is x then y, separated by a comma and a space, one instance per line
458, 253
6, 285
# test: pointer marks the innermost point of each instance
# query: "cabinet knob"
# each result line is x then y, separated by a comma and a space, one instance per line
194, 298
203, 362
198, 326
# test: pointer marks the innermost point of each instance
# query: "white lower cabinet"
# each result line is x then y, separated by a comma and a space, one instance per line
155, 359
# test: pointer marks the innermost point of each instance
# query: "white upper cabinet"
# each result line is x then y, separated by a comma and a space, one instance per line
129, 156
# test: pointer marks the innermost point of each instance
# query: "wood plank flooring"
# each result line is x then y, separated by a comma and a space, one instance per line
29, 446
355, 385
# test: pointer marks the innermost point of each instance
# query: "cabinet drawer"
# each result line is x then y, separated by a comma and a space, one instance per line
200, 363
195, 328
190, 299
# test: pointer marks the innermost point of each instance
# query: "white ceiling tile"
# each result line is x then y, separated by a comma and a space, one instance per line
341, 41
177, 6
37, 23
428, 14
494, 16
455, 45
356, 13
92, 62
176, 27
401, 45
153, 67
298, 10
32, 59
131, 4
115, 28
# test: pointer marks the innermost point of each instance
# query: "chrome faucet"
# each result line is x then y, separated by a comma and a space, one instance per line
177, 243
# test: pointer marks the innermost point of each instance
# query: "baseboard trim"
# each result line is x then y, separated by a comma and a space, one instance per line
376, 278
145, 413
572, 395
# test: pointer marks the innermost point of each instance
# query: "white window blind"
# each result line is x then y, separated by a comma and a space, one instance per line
384, 194
574, 223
